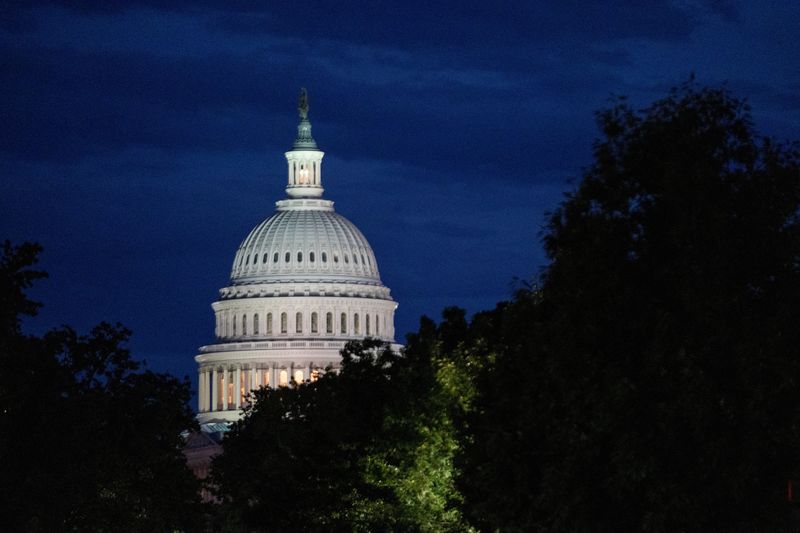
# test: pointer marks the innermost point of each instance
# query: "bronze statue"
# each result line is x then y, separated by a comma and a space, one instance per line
302, 104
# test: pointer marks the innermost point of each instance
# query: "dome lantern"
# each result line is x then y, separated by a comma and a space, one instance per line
304, 159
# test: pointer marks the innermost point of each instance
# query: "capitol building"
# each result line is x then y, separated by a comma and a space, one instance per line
304, 282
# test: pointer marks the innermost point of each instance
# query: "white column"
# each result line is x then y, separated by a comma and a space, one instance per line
225, 379
308, 372
272, 378
237, 388
200, 391
214, 389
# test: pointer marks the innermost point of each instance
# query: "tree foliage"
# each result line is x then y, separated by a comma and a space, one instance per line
369, 448
90, 442
651, 382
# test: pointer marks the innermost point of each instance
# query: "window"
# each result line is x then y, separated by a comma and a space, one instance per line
324, 257
299, 257
298, 376
343, 325
346, 258
362, 260
355, 259
355, 323
315, 374
298, 323
269, 323
329, 323
314, 325
234, 325
283, 323
366, 323
247, 260
311, 256
335, 258
288, 257
255, 324
283, 380
244, 324
275, 257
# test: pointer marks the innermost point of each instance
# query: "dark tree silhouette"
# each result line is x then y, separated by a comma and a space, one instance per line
653, 382
90, 442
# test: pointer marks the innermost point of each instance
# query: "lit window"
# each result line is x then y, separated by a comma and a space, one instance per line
298, 323
298, 376
324, 257
255, 324
311, 256
343, 325
315, 374
329, 323
244, 324
314, 325
283, 323
355, 324
269, 323
283, 380
299, 257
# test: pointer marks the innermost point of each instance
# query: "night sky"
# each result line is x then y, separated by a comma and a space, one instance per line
141, 141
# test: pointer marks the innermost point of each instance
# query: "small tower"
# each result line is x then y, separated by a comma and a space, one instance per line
304, 159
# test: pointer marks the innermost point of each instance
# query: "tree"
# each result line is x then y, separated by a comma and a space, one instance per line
657, 382
369, 448
90, 441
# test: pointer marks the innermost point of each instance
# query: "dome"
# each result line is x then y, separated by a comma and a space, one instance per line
305, 240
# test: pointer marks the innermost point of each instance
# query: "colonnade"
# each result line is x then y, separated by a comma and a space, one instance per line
223, 388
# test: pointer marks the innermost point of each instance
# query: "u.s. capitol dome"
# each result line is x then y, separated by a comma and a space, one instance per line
303, 283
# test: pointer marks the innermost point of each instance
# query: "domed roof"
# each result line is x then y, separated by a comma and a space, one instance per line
305, 240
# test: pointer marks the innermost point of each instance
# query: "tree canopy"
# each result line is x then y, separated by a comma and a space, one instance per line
654, 375
90, 440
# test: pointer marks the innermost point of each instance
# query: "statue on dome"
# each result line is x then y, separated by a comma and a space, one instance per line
302, 104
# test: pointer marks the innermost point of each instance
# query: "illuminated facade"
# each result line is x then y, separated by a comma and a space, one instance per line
303, 283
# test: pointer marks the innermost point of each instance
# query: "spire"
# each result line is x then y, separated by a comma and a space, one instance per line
304, 140
304, 159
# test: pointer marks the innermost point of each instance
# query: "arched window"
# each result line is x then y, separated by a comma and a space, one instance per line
311, 256
244, 324
314, 324
324, 257
299, 257
255, 324
346, 258
234, 325
343, 325
288, 257
329, 323
283, 323
298, 376
335, 258
283, 379
366, 323
355, 259
275, 257
264, 258
269, 323
298, 323
362, 260
247, 260
355, 324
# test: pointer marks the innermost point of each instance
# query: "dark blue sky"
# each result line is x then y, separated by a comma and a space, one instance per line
141, 141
